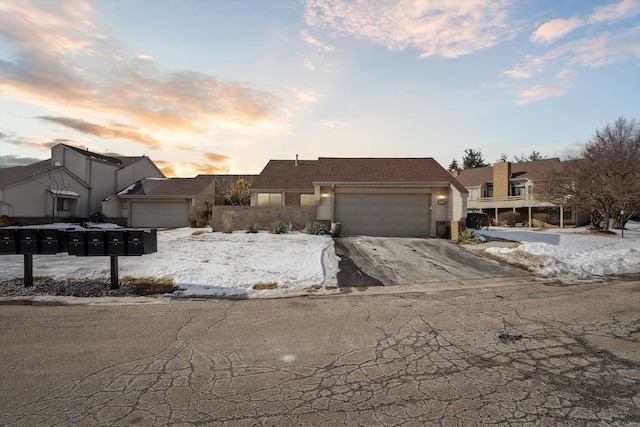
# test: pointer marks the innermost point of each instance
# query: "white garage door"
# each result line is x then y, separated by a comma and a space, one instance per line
164, 214
401, 215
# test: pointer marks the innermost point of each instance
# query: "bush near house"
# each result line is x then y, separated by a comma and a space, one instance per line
467, 236
228, 221
508, 219
254, 228
278, 227
316, 228
542, 218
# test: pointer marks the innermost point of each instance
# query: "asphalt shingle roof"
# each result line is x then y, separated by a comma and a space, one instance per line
301, 175
168, 187
102, 157
383, 170
285, 175
20, 173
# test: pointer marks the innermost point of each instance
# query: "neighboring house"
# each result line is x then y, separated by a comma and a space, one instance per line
70, 185
506, 186
169, 202
41, 190
367, 196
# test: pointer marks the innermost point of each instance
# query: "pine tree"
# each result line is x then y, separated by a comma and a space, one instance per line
472, 159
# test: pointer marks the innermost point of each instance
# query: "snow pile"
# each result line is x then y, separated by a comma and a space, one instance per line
571, 252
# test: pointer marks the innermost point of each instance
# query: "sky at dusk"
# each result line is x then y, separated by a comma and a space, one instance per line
223, 86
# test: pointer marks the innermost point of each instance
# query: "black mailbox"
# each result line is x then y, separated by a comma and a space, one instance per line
141, 242
51, 241
27, 240
95, 242
8, 241
116, 244
76, 243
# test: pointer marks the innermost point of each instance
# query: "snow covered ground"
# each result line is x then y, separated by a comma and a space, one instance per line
570, 252
233, 264
208, 263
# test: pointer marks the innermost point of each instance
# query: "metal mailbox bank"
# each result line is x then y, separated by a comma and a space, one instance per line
94, 242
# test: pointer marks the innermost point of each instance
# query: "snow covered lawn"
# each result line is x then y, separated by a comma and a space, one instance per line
204, 263
570, 252
208, 263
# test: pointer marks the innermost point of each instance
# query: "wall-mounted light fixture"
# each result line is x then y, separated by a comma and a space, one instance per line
442, 200
324, 195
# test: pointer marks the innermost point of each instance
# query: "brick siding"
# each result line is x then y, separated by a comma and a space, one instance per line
298, 216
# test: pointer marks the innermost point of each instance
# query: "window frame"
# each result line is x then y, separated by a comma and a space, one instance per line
271, 199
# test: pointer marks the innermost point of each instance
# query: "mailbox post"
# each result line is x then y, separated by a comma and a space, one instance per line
28, 245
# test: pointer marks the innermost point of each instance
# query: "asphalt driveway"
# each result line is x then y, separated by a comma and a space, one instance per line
384, 261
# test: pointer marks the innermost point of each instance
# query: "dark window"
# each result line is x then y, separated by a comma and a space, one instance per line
62, 204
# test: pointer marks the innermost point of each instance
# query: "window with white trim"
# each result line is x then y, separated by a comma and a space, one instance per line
307, 200
269, 199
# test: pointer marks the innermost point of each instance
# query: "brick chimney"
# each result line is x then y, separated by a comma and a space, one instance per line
501, 179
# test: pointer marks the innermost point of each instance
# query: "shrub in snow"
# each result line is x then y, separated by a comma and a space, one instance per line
540, 219
509, 218
467, 236
228, 221
278, 227
316, 228
254, 228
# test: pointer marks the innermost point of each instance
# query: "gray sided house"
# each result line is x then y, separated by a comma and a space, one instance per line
169, 202
506, 186
70, 185
367, 196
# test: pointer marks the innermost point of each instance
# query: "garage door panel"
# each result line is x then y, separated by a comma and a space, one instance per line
383, 214
165, 214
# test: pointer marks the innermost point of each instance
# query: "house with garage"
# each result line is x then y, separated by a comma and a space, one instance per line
369, 196
511, 187
169, 202
72, 184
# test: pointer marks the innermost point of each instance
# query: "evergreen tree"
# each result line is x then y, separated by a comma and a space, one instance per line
472, 159
454, 166
534, 156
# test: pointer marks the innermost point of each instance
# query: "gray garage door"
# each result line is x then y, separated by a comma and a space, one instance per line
401, 215
163, 214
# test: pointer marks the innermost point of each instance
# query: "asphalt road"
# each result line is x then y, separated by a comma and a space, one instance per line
377, 261
501, 352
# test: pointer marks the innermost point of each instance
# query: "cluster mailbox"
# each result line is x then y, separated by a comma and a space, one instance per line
112, 242
115, 241
29, 241
8, 241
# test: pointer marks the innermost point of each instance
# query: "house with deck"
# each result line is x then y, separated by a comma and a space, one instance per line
507, 186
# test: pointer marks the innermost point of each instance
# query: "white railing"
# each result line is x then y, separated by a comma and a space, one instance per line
504, 199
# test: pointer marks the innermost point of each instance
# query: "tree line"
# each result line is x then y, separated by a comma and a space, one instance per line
473, 159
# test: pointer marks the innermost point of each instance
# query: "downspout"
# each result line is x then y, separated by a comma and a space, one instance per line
89, 201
